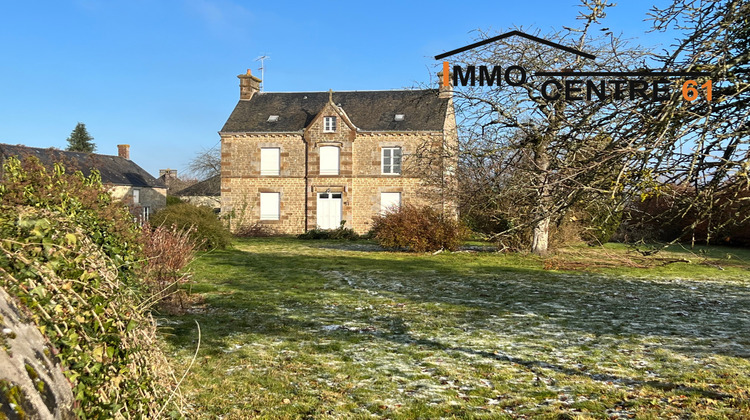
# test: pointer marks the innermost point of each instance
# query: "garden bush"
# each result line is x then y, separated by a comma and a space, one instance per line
167, 251
105, 220
682, 214
70, 255
418, 229
173, 199
205, 227
340, 233
255, 230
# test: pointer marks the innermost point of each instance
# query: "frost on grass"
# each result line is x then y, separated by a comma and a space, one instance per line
375, 340
556, 332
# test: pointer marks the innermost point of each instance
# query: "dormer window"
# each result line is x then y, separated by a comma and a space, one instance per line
273, 118
329, 124
398, 117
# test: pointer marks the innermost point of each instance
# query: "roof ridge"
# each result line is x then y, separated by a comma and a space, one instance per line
113, 169
367, 110
55, 149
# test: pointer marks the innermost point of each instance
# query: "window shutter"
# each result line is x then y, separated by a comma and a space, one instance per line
329, 160
270, 160
389, 201
269, 206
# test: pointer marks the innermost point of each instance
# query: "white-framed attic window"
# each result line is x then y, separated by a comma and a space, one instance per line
399, 117
329, 124
273, 118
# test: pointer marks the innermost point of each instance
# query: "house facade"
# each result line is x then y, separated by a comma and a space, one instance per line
296, 161
124, 179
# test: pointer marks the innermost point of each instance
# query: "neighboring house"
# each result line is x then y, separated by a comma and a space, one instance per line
297, 161
173, 182
126, 181
205, 193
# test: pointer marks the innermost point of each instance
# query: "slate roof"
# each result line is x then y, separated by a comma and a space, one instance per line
208, 187
368, 110
114, 169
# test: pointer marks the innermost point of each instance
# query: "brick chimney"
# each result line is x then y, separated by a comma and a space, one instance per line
249, 84
168, 173
445, 92
123, 151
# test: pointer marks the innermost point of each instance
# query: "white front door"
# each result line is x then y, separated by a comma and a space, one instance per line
329, 210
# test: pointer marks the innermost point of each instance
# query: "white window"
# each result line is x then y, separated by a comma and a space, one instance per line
329, 124
329, 160
391, 161
269, 206
270, 160
389, 201
136, 196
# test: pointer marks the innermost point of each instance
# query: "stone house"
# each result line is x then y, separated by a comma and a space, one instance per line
205, 193
303, 160
123, 178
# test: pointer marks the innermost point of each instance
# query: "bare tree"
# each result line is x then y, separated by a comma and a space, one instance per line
206, 163
703, 145
549, 152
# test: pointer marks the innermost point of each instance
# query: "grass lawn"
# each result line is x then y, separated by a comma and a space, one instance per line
311, 329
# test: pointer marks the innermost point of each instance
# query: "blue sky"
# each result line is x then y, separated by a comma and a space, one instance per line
161, 75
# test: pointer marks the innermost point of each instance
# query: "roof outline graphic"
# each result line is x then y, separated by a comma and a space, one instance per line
517, 33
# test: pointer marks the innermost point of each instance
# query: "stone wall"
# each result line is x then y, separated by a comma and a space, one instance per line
211, 201
32, 381
423, 180
154, 198
242, 183
240, 200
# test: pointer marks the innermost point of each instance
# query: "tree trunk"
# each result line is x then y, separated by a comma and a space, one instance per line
540, 240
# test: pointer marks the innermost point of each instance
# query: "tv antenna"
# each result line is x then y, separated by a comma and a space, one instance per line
262, 69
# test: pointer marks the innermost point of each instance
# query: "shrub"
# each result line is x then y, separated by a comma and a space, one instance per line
106, 221
255, 230
418, 229
684, 214
69, 254
173, 199
594, 223
486, 222
340, 233
168, 251
206, 229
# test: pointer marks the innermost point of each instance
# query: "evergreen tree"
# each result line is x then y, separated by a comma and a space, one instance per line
80, 140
